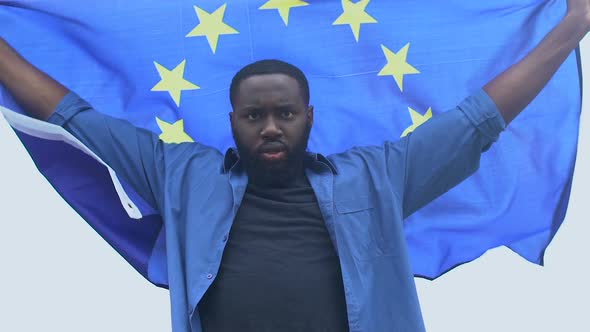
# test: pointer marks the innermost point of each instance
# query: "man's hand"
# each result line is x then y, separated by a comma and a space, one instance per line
515, 88
37, 93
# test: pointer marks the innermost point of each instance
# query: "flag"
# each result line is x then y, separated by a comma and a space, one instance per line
377, 70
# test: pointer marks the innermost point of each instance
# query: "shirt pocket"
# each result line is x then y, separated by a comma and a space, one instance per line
359, 228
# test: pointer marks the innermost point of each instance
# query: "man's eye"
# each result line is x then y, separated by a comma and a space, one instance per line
286, 114
253, 116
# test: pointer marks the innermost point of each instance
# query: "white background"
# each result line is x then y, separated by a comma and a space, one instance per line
57, 274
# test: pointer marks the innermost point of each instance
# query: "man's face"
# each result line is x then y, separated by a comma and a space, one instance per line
271, 124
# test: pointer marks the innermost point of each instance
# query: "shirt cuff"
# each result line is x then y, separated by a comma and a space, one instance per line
482, 112
70, 105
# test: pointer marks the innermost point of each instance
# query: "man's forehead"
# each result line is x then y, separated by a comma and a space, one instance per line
266, 81
279, 87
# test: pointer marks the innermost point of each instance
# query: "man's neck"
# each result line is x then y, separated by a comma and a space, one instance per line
287, 178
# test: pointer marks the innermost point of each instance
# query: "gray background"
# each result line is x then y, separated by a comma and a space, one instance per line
57, 274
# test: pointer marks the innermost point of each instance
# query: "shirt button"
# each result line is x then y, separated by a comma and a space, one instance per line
209, 276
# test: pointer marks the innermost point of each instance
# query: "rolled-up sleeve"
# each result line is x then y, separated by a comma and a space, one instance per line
447, 149
135, 154
484, 116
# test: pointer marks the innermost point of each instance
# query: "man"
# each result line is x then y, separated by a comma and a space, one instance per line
269, 237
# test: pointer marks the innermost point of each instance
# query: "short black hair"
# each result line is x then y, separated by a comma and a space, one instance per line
271, 66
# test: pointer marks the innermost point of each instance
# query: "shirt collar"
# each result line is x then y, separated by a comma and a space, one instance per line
232, 158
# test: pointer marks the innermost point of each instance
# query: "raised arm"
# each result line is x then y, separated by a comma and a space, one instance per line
516, 87
136, 155
445, 150
36, 92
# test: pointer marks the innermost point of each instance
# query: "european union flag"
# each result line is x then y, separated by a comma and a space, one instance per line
377, 70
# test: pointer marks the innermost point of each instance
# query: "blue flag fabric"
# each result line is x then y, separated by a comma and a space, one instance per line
377, 69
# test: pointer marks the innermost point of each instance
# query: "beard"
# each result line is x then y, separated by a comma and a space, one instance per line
274, 173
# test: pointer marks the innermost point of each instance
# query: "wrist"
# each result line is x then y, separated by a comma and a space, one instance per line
580, 20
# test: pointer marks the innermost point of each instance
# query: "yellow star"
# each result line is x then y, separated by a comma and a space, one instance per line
211, 26
397, 65
354, 14
284, 6
173, 81
173, 132
417, 120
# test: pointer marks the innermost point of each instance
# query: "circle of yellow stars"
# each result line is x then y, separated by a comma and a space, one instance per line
212, 26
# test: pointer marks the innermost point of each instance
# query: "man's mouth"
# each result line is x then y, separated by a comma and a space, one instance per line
274, 156
274, 151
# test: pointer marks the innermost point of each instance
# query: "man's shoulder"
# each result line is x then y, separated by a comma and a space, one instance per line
192, 154
364, 151
359, 156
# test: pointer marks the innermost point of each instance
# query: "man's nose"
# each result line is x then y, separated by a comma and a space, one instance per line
271, 130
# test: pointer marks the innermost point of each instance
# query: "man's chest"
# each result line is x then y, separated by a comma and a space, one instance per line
275, 225
278, 267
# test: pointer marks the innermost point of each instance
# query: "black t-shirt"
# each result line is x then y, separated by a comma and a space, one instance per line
279, 270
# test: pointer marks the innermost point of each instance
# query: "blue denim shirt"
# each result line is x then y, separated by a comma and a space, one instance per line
364, 195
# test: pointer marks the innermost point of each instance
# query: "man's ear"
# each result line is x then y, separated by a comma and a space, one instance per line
310, 115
